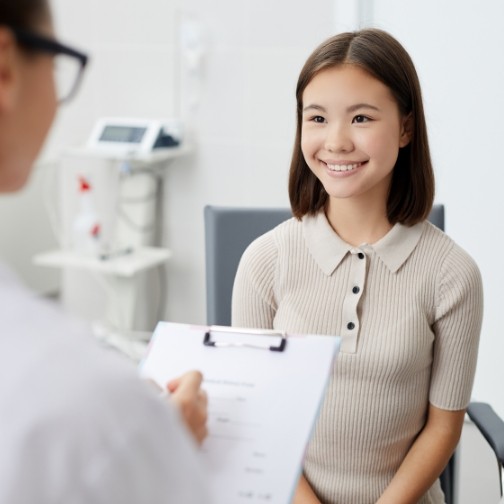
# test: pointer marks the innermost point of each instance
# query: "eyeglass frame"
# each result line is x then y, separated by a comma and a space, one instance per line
51, 46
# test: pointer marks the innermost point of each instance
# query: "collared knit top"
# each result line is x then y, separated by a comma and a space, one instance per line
409, 311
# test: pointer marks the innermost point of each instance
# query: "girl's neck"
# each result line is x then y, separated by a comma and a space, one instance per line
358, 222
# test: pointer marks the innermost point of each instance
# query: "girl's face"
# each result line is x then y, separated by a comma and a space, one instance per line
351, 133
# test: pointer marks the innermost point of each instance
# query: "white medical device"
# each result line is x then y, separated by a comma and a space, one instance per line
130, 137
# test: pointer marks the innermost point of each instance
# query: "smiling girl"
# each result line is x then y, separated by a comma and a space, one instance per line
360, 260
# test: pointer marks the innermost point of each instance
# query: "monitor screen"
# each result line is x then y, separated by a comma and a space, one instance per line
123, 134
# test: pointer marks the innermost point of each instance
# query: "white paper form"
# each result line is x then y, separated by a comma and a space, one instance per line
262, 404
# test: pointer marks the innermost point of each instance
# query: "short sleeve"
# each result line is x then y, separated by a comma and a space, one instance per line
457, 326
253, 303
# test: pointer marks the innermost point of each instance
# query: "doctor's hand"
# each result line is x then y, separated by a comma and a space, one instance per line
191, 401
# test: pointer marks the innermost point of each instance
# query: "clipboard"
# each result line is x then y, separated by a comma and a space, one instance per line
264, 391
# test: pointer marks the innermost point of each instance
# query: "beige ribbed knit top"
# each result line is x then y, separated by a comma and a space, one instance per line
409, 310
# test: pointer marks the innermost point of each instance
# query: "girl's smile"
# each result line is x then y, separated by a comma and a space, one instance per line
343, 167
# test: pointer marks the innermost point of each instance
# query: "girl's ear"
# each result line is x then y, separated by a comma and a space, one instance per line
8, 69
406, 130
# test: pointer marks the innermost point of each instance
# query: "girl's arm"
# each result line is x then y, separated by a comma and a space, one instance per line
253, 302
426, 458
304, 493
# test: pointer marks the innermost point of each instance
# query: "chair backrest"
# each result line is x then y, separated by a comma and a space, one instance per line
437, 216
228, 232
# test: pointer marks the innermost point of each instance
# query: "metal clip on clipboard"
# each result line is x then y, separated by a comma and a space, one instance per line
207, 340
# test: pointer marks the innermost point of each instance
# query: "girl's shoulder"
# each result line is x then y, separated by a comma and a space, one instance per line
451, 259
438, 241
260, 259
270, 242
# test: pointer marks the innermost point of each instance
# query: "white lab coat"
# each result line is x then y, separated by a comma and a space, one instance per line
76, 423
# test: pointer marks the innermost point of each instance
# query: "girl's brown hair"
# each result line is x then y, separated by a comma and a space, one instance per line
412, 187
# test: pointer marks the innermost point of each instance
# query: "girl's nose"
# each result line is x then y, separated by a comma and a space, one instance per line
338, 139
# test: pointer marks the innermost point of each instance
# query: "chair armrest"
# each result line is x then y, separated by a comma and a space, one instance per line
490, 425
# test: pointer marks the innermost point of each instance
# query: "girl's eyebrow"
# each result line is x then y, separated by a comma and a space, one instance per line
352, 108
359, 106
314, 107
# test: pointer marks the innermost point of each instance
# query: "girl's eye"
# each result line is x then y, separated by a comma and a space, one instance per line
360, 119
318, 119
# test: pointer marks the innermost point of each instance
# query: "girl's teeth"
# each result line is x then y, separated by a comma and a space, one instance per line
343, 168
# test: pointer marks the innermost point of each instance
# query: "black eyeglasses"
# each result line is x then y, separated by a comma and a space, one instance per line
69, 63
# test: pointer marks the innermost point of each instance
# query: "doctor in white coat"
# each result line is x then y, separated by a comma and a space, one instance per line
76, 424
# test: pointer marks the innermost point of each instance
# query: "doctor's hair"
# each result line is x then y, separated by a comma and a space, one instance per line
24, 14
411, 191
